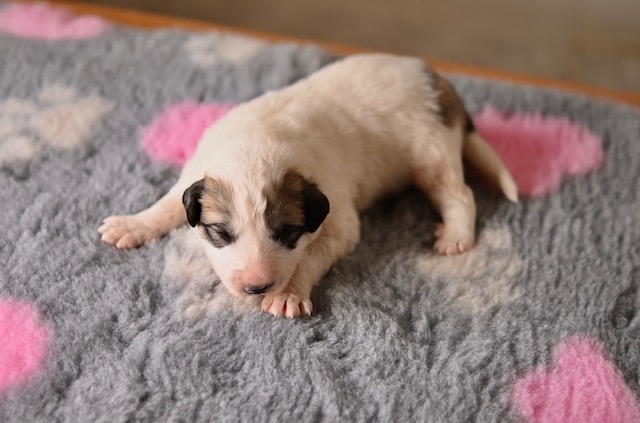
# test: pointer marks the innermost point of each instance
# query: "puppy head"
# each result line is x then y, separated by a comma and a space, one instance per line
255, 238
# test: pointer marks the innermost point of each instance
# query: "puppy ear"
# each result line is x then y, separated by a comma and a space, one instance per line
316, 207
191, 201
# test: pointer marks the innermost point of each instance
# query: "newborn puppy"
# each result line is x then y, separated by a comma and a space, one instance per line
275, 187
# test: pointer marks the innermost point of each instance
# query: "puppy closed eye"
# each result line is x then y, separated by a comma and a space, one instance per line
288, 235
219, 234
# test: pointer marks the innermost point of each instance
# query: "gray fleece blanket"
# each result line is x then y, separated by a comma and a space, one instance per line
537, 323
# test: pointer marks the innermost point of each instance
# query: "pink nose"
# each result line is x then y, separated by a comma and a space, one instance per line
253, 281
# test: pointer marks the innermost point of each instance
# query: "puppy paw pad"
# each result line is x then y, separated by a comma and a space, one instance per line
125, 232
451, 243
287, 305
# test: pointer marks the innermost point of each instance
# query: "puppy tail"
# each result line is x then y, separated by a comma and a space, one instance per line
481, 156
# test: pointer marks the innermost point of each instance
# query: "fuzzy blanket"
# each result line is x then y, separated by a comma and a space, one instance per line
537, 323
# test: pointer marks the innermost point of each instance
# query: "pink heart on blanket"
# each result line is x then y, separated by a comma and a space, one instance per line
24, 342
540, 151
581, 387
39, 20
173, 135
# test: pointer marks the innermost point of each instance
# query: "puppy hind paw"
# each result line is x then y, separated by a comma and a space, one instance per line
287, 305
450, 244
125, 232
451, 248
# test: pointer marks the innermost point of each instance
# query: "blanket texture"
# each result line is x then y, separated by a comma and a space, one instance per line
538, 323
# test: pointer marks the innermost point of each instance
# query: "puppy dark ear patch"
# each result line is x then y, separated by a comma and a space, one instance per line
294, 203
191, 201
207, 196
316, 207
217, 200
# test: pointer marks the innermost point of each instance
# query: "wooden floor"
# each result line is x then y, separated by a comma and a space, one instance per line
594, 42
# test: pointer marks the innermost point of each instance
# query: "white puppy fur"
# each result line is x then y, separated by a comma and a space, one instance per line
263, 178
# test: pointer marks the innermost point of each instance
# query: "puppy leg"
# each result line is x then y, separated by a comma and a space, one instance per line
135, 230
444, 185
339, 237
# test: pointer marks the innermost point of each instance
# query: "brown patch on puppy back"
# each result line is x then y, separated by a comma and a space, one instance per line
450, 105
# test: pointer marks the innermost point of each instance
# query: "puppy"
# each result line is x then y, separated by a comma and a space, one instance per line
275, 187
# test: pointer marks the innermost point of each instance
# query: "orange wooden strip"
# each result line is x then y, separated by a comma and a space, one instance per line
152, 21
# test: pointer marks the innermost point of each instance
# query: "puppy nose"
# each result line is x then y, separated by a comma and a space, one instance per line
257, 289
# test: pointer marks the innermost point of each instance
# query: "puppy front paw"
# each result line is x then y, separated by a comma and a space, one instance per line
287, 305
452, 242
125, 232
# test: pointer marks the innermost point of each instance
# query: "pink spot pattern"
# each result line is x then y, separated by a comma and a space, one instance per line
40, 20
24, 343
173, 136
582, 387
540, 151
